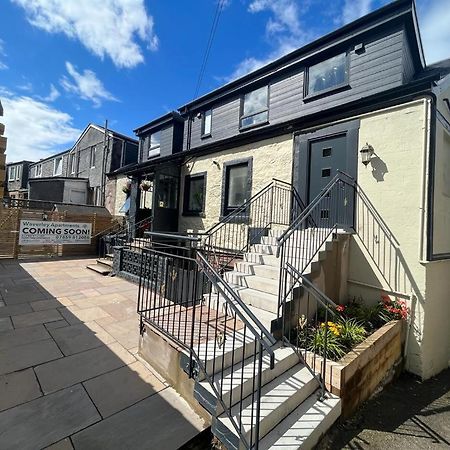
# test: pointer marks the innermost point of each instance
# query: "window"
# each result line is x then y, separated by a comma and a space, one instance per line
57, 165
154, 144
237, 185
206, 123
93, 154
38, 170
97, 200
12, 173
73, 161
327, 75
194, 194
255, 108
18, 172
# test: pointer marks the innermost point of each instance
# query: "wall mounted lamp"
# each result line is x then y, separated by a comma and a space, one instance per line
366, 154
216, 164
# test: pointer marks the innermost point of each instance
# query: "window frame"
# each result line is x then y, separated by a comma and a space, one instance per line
18, 172
187, 191
241, 110
72, 162
154, 147
204, 133
224, 208
92, 156
54, 166
12, 170
38, 170
341, 86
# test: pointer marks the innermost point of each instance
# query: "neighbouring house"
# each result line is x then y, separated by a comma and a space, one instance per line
79, 175
330, 166
2, 155
17, 179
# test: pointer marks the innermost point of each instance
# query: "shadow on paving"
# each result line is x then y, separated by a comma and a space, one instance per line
408, 414
68, 371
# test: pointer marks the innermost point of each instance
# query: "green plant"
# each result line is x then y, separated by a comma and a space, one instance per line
322, 338
352, 332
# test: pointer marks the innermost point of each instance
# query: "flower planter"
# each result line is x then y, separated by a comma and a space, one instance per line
357, 375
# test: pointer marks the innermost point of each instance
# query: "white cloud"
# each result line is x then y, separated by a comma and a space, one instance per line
27, 86
118, 29
86, 85
3, 66
34, 129
434, 18
284, 30
354, 9
52, 96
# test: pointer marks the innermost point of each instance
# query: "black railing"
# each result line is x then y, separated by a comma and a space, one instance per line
185, 298
299, 246
277, 204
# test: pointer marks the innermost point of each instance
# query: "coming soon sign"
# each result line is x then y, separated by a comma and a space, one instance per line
40, 232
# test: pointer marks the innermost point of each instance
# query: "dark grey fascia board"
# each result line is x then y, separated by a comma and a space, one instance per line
159, 122
396, 11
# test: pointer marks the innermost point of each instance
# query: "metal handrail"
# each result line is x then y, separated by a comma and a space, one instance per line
269, 338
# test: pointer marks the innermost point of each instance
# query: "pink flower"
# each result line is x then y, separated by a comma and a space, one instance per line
340, 308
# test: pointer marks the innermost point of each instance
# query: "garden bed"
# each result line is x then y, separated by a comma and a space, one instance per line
372, 363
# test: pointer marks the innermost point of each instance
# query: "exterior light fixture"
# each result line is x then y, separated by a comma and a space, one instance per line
366, 154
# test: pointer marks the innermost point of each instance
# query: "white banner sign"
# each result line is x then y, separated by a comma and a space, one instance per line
40, 232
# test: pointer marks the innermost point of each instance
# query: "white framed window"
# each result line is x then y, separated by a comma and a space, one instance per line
12, 173
255, 108
97, 193
18, 172
73, 162
207, 123
38, 170
57, 165
154, 144
93, 155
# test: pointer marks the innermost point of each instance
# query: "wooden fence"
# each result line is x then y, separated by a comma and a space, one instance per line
9, 233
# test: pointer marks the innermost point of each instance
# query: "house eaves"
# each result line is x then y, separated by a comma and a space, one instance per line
160, 122
48, 158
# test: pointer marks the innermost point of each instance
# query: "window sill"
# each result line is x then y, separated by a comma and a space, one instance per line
205, 136
324, 93
255, 125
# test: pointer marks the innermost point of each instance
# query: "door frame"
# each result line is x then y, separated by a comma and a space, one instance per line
302, 153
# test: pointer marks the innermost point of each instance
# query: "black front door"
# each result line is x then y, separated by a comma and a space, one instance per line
327, 156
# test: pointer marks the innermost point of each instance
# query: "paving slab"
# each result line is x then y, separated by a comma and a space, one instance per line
47, 420
82, 366
28, 355
13, 338
14, 310
5, 324
78, 338
58, 324
42, 305
65, 444
124, 331
162, 421
34, 318
18, 387
75, 315
136, 382
121, 310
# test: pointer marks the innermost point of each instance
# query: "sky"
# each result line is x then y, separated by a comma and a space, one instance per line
66, 63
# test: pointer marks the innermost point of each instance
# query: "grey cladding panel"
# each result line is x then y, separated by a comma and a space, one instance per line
382, 66
166, 141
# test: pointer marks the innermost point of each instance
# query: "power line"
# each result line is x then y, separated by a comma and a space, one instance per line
218, 11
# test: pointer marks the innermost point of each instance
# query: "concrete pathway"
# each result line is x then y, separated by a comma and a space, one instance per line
69, 376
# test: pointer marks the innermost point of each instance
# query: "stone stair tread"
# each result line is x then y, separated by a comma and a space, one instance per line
105, 261
265, 317
280, 396
304, 426
99, 268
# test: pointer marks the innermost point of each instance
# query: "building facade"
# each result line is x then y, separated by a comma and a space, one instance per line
2, 155
17, 179
302, 119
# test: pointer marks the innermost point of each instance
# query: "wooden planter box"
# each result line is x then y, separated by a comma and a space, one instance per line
357, 375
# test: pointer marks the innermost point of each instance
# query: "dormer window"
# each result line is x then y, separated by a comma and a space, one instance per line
327, 75
154, 144
206, 123
255, 108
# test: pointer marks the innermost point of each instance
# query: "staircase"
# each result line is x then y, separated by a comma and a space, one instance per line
103, 266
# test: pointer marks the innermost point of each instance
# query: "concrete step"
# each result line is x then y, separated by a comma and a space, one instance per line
252, 281
105, 261
265, 317
260, 258
261, 270
303, 428
238, 381
278, 399
262, 300
99, 268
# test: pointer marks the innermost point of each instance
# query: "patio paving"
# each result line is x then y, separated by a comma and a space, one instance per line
69, 376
